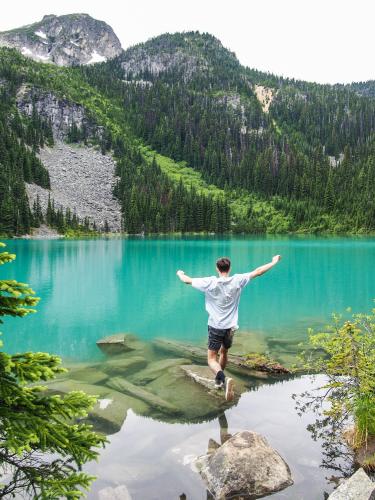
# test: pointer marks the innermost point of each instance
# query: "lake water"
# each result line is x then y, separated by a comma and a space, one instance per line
93, 288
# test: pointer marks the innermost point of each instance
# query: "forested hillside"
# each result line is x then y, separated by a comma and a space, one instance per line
20, 140
309, 155
204, 144
150, 200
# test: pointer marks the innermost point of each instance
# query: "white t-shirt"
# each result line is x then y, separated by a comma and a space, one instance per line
222, 298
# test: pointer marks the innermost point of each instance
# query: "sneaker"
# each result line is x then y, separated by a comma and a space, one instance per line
229, 389
219, 384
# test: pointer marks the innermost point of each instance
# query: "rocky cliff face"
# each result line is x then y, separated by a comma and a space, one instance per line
82, 179
65, 40
61, 113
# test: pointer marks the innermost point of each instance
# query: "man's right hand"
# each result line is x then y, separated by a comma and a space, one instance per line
184, 277
276, 259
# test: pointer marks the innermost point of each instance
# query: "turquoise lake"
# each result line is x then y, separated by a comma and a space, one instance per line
98, 287
93, 288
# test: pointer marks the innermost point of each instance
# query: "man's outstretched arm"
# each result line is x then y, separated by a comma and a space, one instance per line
263, 269
184, 277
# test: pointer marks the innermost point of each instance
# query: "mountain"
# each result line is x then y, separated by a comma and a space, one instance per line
199, 142
65, 40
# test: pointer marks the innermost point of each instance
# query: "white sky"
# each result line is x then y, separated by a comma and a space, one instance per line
325, 41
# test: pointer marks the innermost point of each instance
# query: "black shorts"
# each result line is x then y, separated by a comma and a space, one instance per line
218, 338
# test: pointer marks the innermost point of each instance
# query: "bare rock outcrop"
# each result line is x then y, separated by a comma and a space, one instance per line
65, 40
62, 114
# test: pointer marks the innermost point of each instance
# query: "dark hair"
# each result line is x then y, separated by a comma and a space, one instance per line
223, 264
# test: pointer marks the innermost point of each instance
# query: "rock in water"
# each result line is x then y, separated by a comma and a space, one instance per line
245, 465
120, 343
358, 487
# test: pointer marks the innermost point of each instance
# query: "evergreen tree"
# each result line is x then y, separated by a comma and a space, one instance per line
40, 445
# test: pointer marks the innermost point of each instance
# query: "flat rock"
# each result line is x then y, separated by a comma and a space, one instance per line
203, 375
358, 487
245, 465
119, 493
119, 343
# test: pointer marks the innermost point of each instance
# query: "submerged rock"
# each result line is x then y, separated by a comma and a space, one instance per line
245, 465
122, 365
236, 364
203, 375
156, 369
112, 406
122, 385
119, 343
358, 487
89, 374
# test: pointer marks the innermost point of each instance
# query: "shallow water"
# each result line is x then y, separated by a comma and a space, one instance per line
93, 288
155, 459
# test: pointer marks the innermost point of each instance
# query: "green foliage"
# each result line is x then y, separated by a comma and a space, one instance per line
305, 166
40, 447
349, 364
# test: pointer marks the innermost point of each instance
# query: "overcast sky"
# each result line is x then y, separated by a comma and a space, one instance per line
325, 41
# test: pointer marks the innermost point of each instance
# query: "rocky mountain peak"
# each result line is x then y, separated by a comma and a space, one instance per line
188, 52
65, 40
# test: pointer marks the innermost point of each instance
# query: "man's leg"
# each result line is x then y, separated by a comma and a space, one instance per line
223, 358
212, 361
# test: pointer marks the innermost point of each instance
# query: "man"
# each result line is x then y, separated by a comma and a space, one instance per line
222, 299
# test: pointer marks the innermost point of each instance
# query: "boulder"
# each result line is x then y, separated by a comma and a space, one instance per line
358, 487
245, 465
